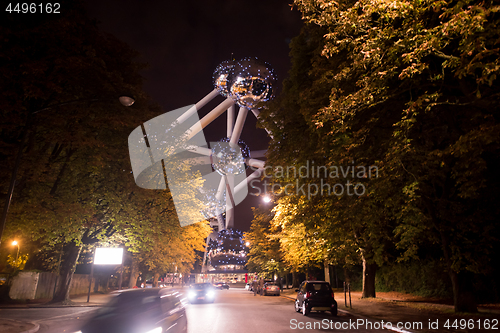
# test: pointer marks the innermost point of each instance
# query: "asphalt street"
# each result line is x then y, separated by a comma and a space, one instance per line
238, 310
233, 310
51, 320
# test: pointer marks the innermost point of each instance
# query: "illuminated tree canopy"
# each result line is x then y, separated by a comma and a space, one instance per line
410, 87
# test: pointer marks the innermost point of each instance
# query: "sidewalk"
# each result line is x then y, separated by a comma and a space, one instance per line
97, 299
406, 309
14, 326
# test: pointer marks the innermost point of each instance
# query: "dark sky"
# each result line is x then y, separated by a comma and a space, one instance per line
184, 41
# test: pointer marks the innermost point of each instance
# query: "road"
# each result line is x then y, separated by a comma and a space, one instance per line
51, 320
238, 310
234, 310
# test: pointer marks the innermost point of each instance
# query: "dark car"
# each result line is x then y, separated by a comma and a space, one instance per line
271, 288
315, 296
201, 291
221, 285
151, 310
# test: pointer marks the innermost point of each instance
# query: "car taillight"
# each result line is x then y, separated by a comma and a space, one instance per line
332, 295
308, 294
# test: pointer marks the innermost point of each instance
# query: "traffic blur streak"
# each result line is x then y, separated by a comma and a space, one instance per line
151, 310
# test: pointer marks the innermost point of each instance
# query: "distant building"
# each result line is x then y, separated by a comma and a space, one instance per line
225, 257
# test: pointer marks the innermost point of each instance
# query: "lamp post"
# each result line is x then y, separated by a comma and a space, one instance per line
15, 243
124, 100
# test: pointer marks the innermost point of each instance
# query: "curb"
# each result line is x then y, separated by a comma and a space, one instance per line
40, 306
78, 305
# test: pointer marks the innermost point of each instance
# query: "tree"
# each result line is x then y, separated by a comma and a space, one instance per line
339, 224
151, 231
265, 255
415, 90
63, 78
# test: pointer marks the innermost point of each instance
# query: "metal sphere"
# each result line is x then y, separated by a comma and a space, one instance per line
227, 158
251, 83
245, 151
219, 77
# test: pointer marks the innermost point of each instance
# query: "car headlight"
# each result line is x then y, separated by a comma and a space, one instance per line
210, 293
191, 294
155, 330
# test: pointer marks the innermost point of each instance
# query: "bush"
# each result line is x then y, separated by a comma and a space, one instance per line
423, 278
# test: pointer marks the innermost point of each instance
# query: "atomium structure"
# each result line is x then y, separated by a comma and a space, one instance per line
171, 151
248, 83
207, 181
226, 251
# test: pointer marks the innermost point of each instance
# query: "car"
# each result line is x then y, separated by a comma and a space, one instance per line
150, 310
221, 285
270, 288
201, 291
315, 296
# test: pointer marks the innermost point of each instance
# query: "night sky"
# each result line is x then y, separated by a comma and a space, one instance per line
184, 41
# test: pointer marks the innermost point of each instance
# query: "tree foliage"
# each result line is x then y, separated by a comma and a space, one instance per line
265, 255
409, 87
75, 188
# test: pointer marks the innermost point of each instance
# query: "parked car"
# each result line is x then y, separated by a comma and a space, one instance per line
148, 310
201, 291
221, 285
270, 288
315, 296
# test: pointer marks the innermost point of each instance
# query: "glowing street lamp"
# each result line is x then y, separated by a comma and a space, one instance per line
266, 199
15, 243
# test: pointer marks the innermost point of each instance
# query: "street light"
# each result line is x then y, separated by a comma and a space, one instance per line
15, 243
266, 199
124, 100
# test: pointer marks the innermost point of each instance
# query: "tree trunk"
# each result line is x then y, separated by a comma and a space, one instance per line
134, 274
327, 272
336, 276
155, 280
71, 255
462, 282
295, 280
463, 291
369, 270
